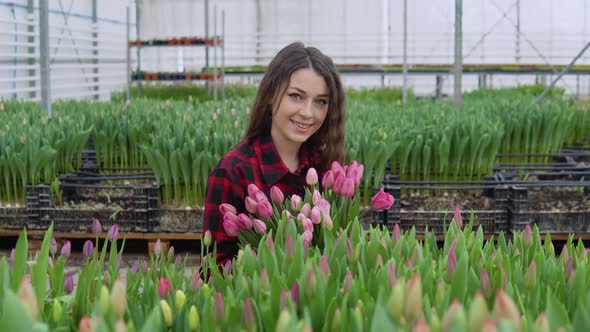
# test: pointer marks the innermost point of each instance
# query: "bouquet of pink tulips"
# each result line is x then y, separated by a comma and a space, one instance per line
331, 209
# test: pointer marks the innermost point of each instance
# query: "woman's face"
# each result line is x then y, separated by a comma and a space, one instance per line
302, 109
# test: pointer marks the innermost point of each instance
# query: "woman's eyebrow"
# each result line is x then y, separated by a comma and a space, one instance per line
303, 91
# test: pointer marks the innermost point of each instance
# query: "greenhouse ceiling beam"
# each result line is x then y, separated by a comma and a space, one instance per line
31, 41
95, 46
458, 53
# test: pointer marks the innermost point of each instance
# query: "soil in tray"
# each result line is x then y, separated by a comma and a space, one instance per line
445, 201
555, 199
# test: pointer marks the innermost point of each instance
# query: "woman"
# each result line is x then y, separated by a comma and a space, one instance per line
297, 122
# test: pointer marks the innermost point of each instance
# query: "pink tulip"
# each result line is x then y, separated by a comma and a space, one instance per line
306, 209
336, 167
391, 274
395, 234
248, 316
316, 197
451, 263
196, 281
569, 266
352, 167
264, 209
113, 232
276, 195
260, 196
307, 225
324, 206
85, 324
382, 200
96, 227
316, 215
225, 207
158, 247
286, 214
505, 308
301, 217
328, 223
485, 283
259, 226
219, 308
251, 205
349, 250
312, 176
339, 179
528, 236
244, 222
307, 238
253, 190
296, 202
231, 216
328, 180
458, 218
271, 243
53, 246
69, 284
323, 266
164, 287
289, 246
359, 174
66, 249
135, 267
347, 188
230, 227
88, 249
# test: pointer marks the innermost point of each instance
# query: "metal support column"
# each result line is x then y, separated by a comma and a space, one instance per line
405, 64
96, 87
44, 54
439, 87
517, 55
458, 52
207, 86
215, 52
128, 68
138, 5
223, 54
31, 49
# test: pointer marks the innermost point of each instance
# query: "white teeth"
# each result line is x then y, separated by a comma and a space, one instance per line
301, 126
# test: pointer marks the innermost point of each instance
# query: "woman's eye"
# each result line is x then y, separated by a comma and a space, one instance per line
295, 96
322, 102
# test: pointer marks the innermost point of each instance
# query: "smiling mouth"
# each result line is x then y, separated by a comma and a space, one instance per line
300, 125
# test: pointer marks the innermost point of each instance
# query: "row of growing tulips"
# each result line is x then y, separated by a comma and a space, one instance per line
181, 141
360, 281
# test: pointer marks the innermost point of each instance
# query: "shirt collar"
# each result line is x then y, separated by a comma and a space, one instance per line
271, 164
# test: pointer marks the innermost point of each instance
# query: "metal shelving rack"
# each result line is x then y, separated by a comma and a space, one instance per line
216, 42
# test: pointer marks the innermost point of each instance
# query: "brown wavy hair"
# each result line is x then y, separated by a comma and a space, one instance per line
328, 141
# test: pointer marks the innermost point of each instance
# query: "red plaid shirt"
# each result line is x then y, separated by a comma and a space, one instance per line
253, 161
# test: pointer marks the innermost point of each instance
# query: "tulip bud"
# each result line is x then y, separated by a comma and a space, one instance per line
53, 246
489, 326
486, 284
96, 227
26, 295
306, 209
283, 321
396, 300
135, 267
295, 202
207, 239
348, 188
219, 308
478, 311
294, 292
316, 215
225, 207
276, 195
569, 266
396, 234
527, 236
144, 267
421, 326
251, 205
85, 325
158, 248
451, 263
230, 227
454, 318
382, 200
113, 232
316, 197
179, 299
347, 282
289, 246
391, 274
328, 180
193, 319
57, 311
324, 206
530, 277
310, 282
413, 298
69, 284
504, 308
324, 267
170, 255
248, 316
312, 176
264, 281
103, 299
259, 226
271, 244
66, 249
253, 190
263, 209
120, 326
196, 281
119, 299
542, 324
163, 287
307, 238
307, 225
167, 312
88, 249
328, 223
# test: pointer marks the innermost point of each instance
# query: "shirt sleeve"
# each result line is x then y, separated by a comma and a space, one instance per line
223, 186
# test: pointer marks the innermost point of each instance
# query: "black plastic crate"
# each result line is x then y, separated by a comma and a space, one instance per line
178, 220
493, 220
13, 218
521, 214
